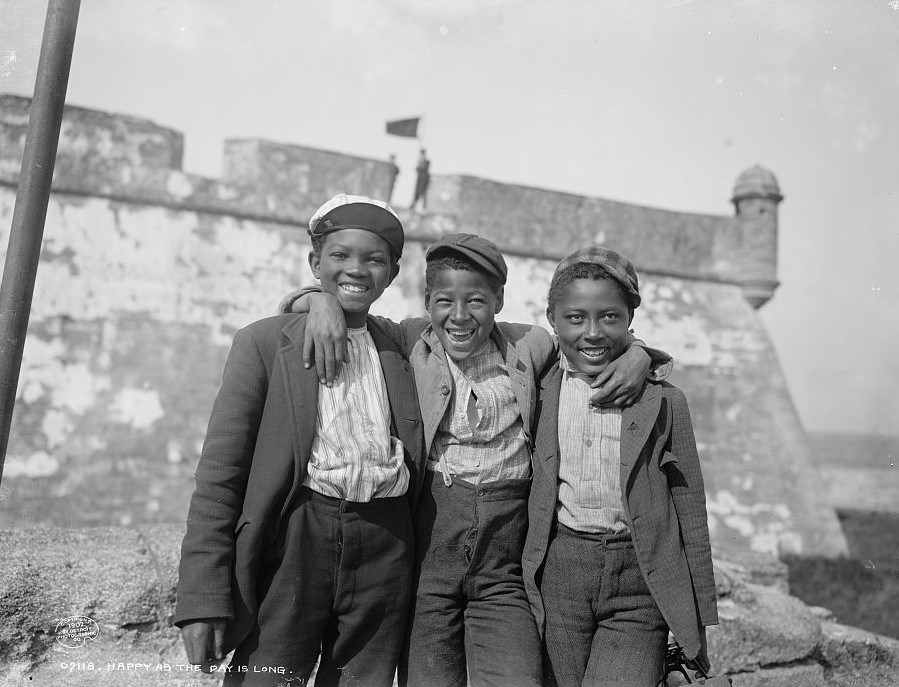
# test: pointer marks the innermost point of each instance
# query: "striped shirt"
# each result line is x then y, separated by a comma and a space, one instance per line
354, 456
481, 438
589, 458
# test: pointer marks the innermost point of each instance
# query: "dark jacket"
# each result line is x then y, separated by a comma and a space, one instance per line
663, 496
254, 461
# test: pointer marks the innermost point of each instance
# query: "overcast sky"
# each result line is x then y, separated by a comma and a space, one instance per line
652, 102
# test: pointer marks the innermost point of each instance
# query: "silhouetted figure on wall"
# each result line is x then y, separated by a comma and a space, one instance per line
394, 172
422, 179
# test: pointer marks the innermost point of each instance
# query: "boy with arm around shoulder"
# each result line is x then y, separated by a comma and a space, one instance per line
299, 538
617, 551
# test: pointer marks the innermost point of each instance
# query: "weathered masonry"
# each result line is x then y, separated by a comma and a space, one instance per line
147, 271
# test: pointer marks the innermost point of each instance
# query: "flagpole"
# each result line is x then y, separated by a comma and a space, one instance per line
33, 194
408, 128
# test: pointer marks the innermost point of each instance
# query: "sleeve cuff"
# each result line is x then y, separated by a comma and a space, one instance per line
661, 363
660, 371
288, 299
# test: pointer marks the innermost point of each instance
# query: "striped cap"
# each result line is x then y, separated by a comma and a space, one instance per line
345, 211
619, 268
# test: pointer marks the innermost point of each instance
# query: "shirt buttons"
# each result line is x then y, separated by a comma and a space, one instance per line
444, 390
588, 443
480, 492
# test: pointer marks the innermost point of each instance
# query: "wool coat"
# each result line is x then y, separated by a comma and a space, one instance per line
254, 461
663, 496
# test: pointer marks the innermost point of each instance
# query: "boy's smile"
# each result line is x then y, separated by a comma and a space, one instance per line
355, 266
462, 306
591, 321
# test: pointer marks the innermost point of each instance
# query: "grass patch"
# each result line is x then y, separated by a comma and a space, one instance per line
861, 589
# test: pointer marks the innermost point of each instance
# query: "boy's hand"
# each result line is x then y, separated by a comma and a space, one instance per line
621, 382
204, 641
324, 343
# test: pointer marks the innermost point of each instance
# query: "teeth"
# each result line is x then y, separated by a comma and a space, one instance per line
460, 335
353, 288
594, 352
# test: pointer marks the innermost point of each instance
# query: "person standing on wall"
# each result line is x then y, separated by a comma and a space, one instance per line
394, 173
422, 180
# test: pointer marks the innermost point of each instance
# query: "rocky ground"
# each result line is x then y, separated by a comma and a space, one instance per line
118, 584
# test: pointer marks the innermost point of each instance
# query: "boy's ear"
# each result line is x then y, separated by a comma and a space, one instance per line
499, 301
427, 300
395, 270
314, 263
551, 318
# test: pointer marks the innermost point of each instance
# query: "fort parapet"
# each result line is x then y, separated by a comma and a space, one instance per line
547, 224
147, 271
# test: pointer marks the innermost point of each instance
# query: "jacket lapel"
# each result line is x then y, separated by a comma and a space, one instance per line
521, 377
404, 408
435, 386
302, 395
397, 378
547, 439
637, 422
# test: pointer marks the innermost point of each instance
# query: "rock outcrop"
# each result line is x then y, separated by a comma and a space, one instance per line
94, 607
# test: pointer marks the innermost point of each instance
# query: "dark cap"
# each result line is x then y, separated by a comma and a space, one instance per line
358, 212
480, 251
619, 268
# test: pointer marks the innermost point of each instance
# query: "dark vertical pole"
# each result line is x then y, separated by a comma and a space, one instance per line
27, 229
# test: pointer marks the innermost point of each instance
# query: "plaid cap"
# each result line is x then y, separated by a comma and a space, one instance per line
345, 211
619, 268
478, 250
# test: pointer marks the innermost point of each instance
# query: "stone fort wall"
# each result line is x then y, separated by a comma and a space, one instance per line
147, 272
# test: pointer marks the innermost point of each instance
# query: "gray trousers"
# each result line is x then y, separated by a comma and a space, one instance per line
471, 623
603, 628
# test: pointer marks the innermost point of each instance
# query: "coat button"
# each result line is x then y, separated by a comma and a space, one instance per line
444, 390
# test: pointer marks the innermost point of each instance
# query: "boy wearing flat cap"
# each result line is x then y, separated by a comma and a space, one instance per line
617, 549
471, 622
299, 541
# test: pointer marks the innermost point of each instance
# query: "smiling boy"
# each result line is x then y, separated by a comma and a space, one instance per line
299, 542
617, 550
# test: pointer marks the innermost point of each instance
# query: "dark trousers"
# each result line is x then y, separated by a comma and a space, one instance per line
471, 623
339, 587
602, 626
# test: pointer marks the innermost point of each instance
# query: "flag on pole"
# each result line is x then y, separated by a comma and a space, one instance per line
404, 127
